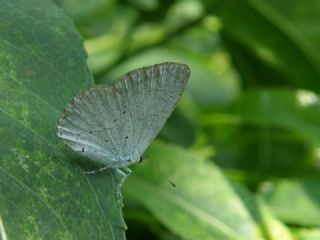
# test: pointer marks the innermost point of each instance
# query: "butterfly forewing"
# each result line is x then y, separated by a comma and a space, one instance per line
114, 124
151, 95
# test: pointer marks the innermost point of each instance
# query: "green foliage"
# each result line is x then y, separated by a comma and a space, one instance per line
243, 146
193, 208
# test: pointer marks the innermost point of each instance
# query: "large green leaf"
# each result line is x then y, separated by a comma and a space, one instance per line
295, 202
44, 195
203, 205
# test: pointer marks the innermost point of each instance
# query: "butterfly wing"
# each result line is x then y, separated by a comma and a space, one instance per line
115, 125
150, 94
84, 124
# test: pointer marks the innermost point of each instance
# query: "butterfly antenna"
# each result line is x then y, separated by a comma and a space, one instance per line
156, 166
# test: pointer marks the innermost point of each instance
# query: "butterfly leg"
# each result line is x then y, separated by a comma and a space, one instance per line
96, 171
123, 173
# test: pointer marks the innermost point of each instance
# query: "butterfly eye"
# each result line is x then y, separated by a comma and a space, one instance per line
142, 157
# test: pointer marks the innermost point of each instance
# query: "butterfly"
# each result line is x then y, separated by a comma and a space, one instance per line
114, 125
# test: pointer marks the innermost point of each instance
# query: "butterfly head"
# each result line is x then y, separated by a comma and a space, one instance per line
129, 160
141, 158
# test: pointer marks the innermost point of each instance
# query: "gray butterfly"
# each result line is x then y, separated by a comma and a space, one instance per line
114, 125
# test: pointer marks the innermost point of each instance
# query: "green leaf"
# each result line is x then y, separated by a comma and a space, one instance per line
295, 110
274, 227
203, 205
270, 132
295, 202
303, 19
258, 32
44, 195
307, 234
259, 149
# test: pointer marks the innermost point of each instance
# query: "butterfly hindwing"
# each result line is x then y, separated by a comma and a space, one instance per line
83, 125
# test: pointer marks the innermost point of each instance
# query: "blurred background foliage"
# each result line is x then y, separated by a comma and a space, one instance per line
251, 106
